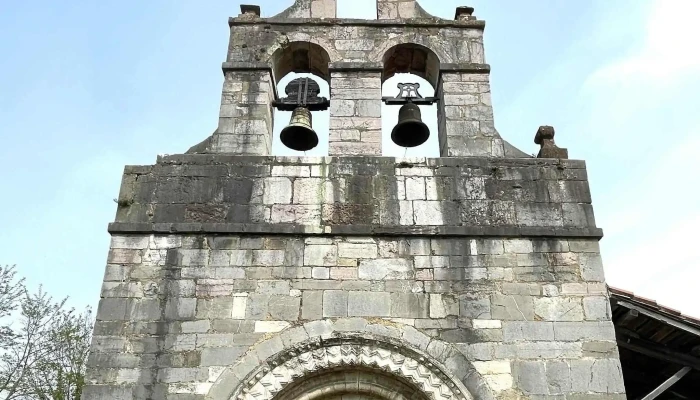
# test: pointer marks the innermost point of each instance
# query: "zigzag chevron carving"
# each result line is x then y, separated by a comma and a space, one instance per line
298, 364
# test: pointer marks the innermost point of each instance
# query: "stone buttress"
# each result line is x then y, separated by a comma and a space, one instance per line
234, 274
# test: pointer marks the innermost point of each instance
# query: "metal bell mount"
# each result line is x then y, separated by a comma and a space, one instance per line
302, 98
410, 131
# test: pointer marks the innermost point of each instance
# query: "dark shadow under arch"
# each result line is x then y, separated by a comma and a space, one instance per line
301, 57
413, 59
369, 383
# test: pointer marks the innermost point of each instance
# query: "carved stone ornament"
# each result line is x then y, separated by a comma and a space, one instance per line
408, 93
295, 365
302, 92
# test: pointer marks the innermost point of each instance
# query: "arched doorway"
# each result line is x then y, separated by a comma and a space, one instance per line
352, 383
350, 368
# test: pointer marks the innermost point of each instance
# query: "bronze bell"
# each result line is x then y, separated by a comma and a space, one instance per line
410, 131
299, 135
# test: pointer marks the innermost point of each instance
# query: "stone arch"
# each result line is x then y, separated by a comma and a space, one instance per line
411, 57
365, 382
301, 353
306, 55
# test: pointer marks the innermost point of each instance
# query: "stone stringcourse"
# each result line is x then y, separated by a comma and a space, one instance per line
235, 274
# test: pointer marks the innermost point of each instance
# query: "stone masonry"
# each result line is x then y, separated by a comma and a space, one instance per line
234, 274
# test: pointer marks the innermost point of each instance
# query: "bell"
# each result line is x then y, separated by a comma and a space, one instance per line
299, 135
410, 131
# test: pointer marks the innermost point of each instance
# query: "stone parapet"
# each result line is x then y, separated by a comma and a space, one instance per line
373, 194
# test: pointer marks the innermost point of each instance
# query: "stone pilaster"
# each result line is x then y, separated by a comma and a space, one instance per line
356, 123
311, 9
466, 118
395, 9
245, 116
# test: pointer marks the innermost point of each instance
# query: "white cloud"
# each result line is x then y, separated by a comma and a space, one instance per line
669, 49
663, 267
651, 230
641, 140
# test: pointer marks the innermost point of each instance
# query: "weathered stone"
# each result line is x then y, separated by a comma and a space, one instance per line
221, 355
409, 305
527, 331
558, 377
357, 250
559, 309
277, 191
475, 308
575, 331
321, 255
596, 308
530, 377
284, 308
385, 269
599, 349
443, 305
512, 308
270, 326
335, 303
369, 304
312, 304
180, 308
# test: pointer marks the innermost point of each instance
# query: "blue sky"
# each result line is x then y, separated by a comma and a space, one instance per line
87, 87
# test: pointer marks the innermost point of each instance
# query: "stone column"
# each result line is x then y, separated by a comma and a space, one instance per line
465, 117
245, 117
356, 116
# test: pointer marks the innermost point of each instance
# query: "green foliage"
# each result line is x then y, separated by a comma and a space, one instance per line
44, 347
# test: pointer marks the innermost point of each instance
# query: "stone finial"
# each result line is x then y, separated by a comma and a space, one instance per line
548, 149
250, 11
464, 13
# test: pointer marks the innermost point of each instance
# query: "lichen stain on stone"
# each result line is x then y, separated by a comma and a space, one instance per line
205, 213
347, 214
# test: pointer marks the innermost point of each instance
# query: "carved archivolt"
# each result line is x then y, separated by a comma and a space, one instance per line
293, 366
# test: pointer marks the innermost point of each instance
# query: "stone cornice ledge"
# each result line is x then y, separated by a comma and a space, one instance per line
353, 230
380, 23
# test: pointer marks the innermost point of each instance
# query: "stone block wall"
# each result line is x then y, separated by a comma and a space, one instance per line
359, 194
467, 124
356, 126
529, 317
224, 269
245, 115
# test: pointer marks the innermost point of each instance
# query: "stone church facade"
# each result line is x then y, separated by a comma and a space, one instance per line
234, 274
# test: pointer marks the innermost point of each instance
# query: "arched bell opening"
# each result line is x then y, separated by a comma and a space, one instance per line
301, 57
356, 383
411, 58
301, 129
398, 117
410, 109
